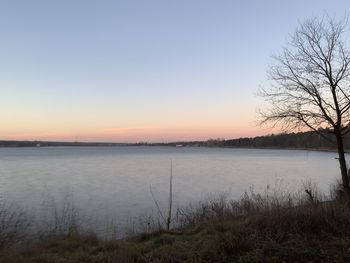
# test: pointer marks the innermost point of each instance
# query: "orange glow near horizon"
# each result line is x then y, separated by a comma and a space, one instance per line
137, 134
96, 125
163, 127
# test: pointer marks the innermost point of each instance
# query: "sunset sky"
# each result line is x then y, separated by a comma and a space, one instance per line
141, 70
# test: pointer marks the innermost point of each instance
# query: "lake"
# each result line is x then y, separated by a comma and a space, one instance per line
115, 182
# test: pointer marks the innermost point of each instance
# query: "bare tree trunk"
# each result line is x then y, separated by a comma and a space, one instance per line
343, 168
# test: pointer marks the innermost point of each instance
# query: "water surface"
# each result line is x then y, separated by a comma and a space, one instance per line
115, 181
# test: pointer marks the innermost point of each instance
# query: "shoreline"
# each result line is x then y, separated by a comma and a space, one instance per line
83, 145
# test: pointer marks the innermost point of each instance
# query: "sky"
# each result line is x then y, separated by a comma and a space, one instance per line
146, 70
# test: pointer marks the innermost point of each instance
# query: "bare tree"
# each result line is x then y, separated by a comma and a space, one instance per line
311, 85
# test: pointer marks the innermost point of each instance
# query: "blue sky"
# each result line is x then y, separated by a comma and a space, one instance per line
141, 70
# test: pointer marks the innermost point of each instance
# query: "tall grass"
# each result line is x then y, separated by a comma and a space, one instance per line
276, 223
60, 218
14, 225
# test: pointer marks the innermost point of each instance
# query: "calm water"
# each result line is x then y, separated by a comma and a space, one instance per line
116, 181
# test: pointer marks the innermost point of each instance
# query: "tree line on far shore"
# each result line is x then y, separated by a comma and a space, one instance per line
299, 140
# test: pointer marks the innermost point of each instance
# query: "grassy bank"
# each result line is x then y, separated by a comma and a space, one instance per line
267, 227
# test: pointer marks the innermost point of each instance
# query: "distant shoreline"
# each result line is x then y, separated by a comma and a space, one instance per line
44, 144
310, 141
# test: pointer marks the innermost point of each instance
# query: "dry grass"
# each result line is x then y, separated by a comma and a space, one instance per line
267, 227
61, 218
14, 226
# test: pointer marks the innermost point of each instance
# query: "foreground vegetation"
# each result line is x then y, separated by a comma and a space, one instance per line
268, 227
